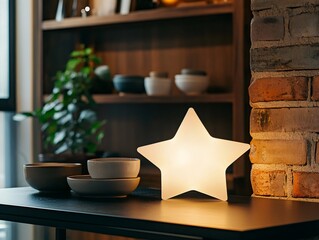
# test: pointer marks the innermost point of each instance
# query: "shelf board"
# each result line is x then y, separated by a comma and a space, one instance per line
139, 16
142, 98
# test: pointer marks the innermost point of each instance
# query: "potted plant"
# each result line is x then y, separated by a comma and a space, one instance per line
69, 124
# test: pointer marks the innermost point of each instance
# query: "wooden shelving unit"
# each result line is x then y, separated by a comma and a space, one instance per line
139, 16
212, 98
210, 37
142, 98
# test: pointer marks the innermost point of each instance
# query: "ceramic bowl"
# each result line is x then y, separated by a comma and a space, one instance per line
129, 84
114, 167
86, 186
157, 86
50, 177
191, 84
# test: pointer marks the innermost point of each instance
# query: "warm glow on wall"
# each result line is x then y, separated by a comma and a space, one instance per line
193, 160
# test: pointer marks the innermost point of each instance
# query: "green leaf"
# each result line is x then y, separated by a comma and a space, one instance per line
91, 147
61, 149
86, 70
88, 51
59, 115
77, 53
22, 116
96, 126
58, 107
72, 107
65, 119
73, 63
59, 136
45, 116
87, 115
100, 136
49, 106
96, 60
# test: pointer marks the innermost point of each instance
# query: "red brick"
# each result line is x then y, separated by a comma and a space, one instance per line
304, 25
285, 120
267, 28
279, 89
315, 88
292, 152
298, 57
269, 183
305, 185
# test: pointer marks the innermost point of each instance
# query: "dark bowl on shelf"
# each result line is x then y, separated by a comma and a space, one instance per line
129, 84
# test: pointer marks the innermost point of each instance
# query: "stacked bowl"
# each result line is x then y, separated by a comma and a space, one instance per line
192, 81
108, 177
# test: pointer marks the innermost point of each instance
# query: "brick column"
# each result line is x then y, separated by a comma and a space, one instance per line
284, 95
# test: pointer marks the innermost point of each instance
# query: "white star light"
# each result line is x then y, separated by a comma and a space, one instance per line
193, 160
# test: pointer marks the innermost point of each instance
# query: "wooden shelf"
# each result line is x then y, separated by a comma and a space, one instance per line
142, 98
205, 98
139, 16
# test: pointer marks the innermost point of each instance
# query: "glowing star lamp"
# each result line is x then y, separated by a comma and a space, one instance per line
193, 160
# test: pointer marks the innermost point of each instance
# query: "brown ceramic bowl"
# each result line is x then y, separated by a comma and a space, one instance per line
50, 177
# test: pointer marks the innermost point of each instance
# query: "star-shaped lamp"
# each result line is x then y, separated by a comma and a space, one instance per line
193, 160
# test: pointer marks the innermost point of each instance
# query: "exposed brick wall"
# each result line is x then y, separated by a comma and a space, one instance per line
284, 95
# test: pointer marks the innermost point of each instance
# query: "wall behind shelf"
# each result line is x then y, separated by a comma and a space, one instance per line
138, 48
132, 125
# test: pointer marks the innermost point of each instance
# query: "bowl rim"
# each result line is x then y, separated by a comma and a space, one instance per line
114, 159
157, 79
127, 77
52, 165
187, 77
88, 178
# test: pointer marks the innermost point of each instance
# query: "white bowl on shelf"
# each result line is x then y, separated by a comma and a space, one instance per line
157, 86
191, 84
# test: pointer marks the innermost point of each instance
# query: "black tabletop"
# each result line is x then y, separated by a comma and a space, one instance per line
144, 215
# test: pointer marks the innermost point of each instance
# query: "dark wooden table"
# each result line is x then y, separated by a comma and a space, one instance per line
144, 215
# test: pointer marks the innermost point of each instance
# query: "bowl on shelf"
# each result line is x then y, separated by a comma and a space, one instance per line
50, 177
157, 86
118, 167
191, 84
86, 186
128, 83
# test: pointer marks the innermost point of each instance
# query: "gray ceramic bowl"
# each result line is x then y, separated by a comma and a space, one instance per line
50, 177
86, 186
121, 167
128, 84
